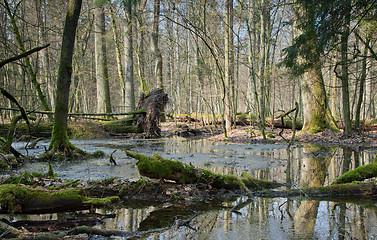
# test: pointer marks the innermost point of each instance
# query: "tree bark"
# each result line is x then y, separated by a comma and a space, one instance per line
229, 65
129, 91
102, 76
59, 139
344, 78
362, 87
117, 48
155, 47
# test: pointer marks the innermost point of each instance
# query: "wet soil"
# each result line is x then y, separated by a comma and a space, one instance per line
251, 134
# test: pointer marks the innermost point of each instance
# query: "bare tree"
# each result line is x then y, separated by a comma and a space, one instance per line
102, 76
59, 139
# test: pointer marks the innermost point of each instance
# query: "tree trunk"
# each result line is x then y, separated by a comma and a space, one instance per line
117, 47
25, 199
129, 91
314, 100
317, 116
102, 77
59, 139
345, 84
361, 88
229, 64
155, 47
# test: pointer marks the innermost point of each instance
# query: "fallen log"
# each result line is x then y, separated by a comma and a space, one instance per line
25, 199
52, 225
359, 174
332, 191
160, 168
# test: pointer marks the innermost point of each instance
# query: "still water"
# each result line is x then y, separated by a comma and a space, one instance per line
255, 218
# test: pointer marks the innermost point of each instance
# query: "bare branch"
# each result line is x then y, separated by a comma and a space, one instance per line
12, 59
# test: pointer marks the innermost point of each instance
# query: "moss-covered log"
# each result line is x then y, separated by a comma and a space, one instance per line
332, 191
24, 199
123, 125
160, 168
359, 174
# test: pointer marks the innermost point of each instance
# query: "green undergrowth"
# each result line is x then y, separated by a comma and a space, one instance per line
25, 178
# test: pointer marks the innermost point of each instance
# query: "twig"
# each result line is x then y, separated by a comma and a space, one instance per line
112, 160
186, 223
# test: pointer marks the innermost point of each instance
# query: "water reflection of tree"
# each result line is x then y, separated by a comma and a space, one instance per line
313, 173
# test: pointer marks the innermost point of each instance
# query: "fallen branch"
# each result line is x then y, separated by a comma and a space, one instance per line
52, 225
332, 191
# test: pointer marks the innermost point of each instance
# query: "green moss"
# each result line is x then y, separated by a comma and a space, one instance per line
359, 174
101, 201
97, 154
159, 167
3, 165
24, 178
13, 197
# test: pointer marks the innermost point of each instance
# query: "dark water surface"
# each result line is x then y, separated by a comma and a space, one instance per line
257, 218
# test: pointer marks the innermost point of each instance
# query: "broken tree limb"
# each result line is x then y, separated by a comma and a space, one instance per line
160, 168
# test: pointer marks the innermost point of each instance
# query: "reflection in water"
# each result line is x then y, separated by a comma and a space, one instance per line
265, 218
262, 218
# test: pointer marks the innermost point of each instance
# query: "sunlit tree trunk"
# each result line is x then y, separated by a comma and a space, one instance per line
140, 52
229, 64
129, 93
155, 47
117, 48
102, 76
317, 116
361, 87
262, 65
59, 139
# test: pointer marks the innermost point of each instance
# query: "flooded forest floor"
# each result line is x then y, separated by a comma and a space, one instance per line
185, 200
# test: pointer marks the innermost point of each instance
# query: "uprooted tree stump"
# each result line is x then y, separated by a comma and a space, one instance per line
160, 168
153, 105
